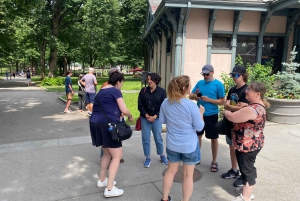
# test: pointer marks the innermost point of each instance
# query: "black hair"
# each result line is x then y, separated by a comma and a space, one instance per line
155, 77
115, 77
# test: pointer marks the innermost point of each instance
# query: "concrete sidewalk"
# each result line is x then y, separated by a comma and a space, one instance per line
67, 169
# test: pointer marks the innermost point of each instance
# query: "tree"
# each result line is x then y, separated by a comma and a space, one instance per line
101, 31
131, 47
63, 14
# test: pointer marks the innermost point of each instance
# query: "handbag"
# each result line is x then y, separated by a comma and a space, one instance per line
223, 127
138, 125
119, 130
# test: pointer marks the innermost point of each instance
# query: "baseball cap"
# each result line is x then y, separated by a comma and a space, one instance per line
207, 68
112, 70
238, 70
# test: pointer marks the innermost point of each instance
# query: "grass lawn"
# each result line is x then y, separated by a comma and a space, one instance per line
129, 84
131, 101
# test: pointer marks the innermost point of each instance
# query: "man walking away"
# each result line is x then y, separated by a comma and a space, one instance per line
90, 82
69, 91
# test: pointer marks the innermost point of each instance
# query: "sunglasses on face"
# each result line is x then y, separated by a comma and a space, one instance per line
205, 74
235, 75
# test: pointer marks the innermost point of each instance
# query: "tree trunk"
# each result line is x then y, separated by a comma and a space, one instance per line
55, 33
42, 59
17, 66
65, 65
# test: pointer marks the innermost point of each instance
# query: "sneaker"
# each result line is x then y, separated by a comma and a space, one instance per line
67, 111
89, 113
147, 162
239, 198
169, 199
164, 160
114, 192
238, 182
239, 190
230, 174
102, 184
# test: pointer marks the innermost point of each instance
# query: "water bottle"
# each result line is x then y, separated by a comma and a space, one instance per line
110, 127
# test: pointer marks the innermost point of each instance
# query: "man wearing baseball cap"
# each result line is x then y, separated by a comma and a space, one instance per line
209, 93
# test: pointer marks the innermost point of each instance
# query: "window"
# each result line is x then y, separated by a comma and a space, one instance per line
169, 45
246, 48
272, 48
221, 42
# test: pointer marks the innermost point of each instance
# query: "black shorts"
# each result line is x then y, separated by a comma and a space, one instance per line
246, 164
101, 136
209, 127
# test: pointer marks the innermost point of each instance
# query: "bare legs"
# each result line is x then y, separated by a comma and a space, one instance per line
90, 107
187, 185
68, 103
247, 191
116, 154
214, 147
233, 159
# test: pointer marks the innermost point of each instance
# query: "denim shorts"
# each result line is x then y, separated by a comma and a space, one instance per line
89, 97
187, 158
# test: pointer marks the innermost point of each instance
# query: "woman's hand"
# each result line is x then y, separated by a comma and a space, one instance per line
130, 118
151, 118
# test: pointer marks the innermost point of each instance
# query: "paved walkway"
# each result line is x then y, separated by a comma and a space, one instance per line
50, 160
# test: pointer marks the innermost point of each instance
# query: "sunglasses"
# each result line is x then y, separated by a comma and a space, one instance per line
205, 74
235, 75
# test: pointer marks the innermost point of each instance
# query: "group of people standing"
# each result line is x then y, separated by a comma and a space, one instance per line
186, 123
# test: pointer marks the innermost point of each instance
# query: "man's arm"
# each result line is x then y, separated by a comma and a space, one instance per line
95, 81
219, 101
70, 87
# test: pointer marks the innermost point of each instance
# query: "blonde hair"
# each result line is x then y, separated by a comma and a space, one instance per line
260, 87
178, 87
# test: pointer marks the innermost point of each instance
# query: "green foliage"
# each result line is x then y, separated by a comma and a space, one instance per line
239, 60
227, 81
257, 73
131, 101
57, 81
262, 73
288, 81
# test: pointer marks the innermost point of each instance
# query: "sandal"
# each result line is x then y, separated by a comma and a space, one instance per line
214, 167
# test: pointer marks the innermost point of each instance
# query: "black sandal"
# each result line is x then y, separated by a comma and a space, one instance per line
214, 167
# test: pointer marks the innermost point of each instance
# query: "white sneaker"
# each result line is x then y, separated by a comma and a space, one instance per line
102, 184
239, 191
113, 193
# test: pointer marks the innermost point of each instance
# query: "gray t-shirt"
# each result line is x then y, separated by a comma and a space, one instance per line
89, 80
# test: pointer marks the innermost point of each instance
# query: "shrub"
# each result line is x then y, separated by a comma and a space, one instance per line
288, 81
257, 72
57, 81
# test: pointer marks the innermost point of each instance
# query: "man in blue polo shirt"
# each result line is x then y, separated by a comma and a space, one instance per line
209, 93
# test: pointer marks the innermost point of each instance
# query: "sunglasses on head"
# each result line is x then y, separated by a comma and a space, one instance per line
235, 75
205, 74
